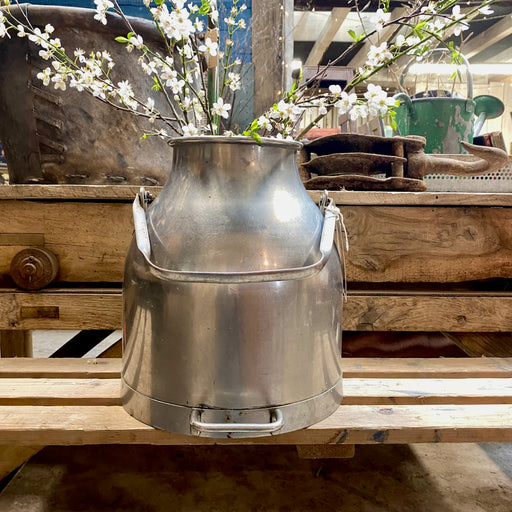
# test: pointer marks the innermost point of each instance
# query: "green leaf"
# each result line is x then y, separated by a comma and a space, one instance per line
355, 37
256, 136
121, 39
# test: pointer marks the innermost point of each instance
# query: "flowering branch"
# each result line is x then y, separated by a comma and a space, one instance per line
199, 104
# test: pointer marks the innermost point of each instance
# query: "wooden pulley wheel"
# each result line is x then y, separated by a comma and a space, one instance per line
34, 268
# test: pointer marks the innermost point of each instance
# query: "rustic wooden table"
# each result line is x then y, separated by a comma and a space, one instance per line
418, 262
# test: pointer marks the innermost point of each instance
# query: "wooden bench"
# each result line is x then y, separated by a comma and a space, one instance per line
394, 401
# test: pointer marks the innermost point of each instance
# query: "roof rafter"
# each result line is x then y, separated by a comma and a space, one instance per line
331, 27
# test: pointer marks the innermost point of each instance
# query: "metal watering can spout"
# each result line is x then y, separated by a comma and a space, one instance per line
486, 107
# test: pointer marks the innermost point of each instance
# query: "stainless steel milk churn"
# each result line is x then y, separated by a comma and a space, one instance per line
232, 295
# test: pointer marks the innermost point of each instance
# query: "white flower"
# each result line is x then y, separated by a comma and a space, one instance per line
485, 9
264, 122
430, 9
209, 46
149, 106
335, 91
21, 31
149, 67
190, 130
102, 6
45, 76
234, 81
39, 38
221, 109
49, 29
136, 41
3, 30
59, 81
378, 55
380, 20
378, 101
175, 85
359, 111
45, 54
346, 102
400, 41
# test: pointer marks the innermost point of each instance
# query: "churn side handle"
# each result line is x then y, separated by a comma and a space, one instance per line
276, 423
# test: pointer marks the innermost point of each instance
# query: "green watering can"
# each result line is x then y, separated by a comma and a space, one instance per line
445, 121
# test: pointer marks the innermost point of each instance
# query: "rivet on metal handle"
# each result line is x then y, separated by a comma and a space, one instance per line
276, 423
256, 276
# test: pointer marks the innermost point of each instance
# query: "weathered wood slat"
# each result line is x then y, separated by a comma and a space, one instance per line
394, 237
376, 368
102, 310
61, 368
357, 391
127, 193
364, 424
90, 239
390, 244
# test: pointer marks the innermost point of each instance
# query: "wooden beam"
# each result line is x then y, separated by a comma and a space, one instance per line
449, 312
349, 424
16, 344
361, 367
487, 38
326, 451
329, 31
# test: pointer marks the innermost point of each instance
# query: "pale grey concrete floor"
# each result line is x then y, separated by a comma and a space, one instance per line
45, 343
380, 478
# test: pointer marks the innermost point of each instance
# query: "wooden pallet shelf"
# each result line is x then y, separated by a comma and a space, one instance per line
75, 402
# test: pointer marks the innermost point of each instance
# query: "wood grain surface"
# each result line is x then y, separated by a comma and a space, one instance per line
33, 410
102, 309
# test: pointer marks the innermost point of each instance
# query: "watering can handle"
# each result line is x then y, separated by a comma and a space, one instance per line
437, 50
276, 423
331, 215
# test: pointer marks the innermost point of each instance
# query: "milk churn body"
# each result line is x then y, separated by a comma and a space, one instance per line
232, 323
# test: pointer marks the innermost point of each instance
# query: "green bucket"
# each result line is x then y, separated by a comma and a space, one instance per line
444, 121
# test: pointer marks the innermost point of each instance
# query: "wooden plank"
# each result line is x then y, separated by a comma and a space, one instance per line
332, 25
370, 368
12, 457
488, 343
365, 424
16, 344
487, 38
77, 310
90, 239
355, 198
449, 313
78, 192
441, 245
126, 193
53, 391
426, 391
64, 368
424, 313
356, 391
326, 451
387, 244
409, 368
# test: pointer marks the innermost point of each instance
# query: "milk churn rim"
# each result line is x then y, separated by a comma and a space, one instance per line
265, 141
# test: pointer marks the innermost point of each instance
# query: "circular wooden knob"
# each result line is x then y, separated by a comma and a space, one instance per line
34, 268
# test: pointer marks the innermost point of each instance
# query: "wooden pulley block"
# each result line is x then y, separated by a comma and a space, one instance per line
34, 268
